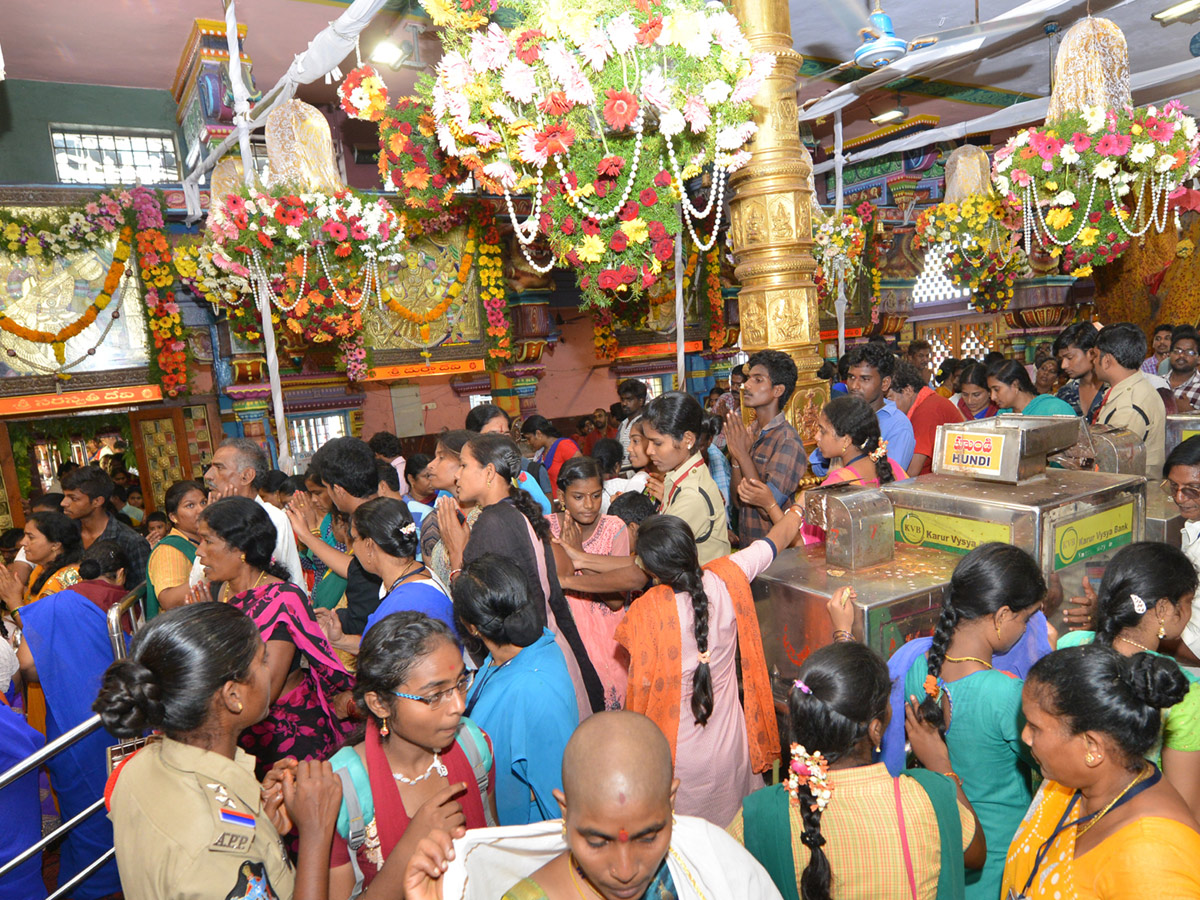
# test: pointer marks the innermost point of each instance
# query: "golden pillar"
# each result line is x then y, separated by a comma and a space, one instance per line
771, 220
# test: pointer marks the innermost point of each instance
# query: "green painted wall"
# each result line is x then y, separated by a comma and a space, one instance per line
28, 107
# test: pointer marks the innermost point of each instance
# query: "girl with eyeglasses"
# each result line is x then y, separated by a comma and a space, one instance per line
523, 696
417, 752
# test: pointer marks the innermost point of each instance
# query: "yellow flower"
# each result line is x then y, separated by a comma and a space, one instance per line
655, 265
591, 249
636, 230
12, 231
1059, 218
1081, 272
1088, 236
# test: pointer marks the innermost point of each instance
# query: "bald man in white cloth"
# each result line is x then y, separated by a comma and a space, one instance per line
617, 840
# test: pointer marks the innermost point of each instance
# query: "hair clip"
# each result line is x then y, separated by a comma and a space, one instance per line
801, 686
704, 657
410, 528
879, 452
1139, 605
933, 687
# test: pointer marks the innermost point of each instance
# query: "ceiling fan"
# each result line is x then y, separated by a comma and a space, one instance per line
891, 57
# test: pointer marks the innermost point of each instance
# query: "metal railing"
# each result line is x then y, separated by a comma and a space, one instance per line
35, 760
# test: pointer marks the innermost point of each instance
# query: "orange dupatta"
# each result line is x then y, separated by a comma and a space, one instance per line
650, 632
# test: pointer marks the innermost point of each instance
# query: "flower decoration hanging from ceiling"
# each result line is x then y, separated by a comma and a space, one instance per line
977, 239
362, 94
602, 113
1094, 179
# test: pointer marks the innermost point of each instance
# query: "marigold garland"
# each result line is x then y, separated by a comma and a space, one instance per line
976, 238
425, 319
494, 293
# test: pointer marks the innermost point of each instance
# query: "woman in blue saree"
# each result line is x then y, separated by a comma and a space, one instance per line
66, 649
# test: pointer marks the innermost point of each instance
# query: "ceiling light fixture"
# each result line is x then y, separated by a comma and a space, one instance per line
1185, 9
898, 114
391, 54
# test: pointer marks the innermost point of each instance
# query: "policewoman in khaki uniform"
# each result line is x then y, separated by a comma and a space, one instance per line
190, 820
672, 425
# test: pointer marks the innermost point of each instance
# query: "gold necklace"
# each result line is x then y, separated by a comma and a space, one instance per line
1134, 644
571, 867
982, 662
1141, 776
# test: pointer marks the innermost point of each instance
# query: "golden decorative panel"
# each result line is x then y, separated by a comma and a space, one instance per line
420, 282
200, 440
162, 456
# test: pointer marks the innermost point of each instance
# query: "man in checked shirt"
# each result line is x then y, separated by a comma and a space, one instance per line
1185, 359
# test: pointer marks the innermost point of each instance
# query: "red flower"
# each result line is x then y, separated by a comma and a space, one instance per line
343, 250
628, 212
648, 277
620, 109
648, 197
526, 45
573, 257
568, 225
649, 32
265, 241
662, 179
602, 186
585, 282
664, 250
544, 222
619, 241
590, 226
607, 280
628, 274
358, 233
610, 166
554, 140
657, 231
556, 104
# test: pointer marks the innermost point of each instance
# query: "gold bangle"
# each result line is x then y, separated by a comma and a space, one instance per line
954, 777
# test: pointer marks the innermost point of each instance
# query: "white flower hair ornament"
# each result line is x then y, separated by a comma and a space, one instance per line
812, 771
1139, 605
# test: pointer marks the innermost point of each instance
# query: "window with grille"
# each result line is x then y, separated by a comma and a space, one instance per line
934, 285
306, 434
480, 400
84, 154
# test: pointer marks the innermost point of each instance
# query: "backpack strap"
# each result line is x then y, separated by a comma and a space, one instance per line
475, 747
767, 834
358, 828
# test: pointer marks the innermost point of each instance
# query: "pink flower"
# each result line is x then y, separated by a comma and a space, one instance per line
1114, 145
1045, 146
579, 90
484, 135
501, 172
91, 209
453, 71
527, 146
489, 50
760, 67
696, 112
335, 230
623, 33
1021, 177
1161, 131
655, 90
1081, 142
596, 50
518, 81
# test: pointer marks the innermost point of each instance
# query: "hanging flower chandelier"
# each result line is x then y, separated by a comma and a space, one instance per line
1092, 180
601, 112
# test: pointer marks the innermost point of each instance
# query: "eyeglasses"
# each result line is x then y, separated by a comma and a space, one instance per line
1189, 491
1185, 352
436, 700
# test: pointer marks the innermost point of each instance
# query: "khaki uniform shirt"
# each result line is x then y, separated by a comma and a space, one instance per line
690, 493
1135, 404
188, 825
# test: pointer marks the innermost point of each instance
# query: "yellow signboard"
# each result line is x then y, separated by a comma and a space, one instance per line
942, 532
1093, 535
1188, 433
973, 452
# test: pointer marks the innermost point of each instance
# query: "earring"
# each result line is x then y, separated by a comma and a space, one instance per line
383, 729
998, 637
1162, 632
240, 707
564, 829
243, 557
489, 481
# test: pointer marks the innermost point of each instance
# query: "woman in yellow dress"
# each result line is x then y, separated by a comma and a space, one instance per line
1104, 825
53, 544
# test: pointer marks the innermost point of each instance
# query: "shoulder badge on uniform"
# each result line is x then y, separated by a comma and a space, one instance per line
252, 883
221, 794
236, 817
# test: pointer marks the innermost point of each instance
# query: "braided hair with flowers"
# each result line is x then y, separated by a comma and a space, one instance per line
837, 707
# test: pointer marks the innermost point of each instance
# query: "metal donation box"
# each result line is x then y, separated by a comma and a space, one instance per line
990, 482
